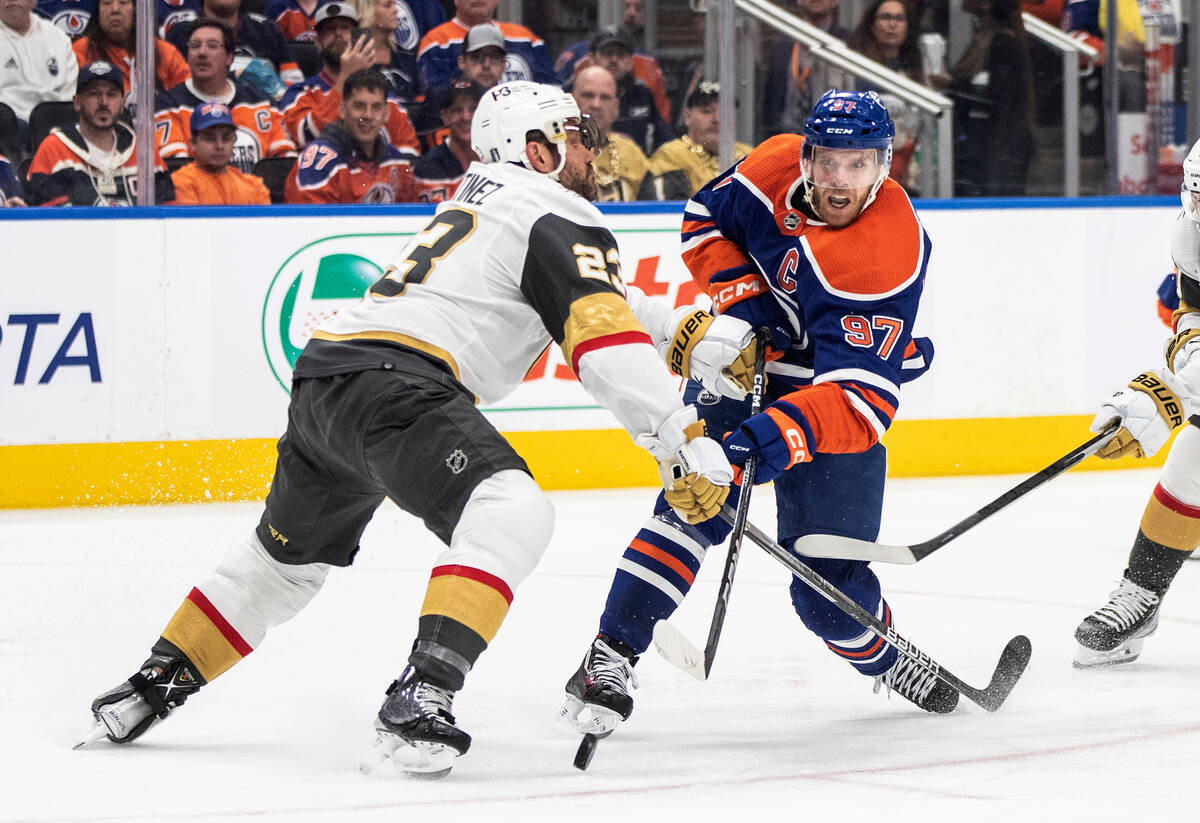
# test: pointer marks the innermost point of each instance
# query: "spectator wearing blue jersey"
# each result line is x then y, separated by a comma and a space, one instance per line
69, 15
526, 55
397, 27
639, 117
256, 39
10, 186
437, 172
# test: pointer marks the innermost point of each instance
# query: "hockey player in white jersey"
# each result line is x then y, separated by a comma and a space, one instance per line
1154, 403
383, 405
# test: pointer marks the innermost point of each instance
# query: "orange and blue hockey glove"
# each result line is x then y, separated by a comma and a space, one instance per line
741, 292
779, 436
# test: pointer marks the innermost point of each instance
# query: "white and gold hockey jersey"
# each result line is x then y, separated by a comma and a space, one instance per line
511, 263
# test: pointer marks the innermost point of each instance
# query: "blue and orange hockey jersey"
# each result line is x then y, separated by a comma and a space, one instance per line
294, 23
527, 58
310, 106
851, 294
332, 169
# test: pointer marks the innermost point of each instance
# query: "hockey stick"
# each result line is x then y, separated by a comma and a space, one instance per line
1009, 669
669, 641
848, 548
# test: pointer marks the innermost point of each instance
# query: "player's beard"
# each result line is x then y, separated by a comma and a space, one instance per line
581, 181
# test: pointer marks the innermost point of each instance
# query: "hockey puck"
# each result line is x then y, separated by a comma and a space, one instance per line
587, 748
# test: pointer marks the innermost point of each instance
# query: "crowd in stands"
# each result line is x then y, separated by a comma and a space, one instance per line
370, 101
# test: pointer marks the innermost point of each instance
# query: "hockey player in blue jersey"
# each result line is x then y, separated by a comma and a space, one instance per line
807, 237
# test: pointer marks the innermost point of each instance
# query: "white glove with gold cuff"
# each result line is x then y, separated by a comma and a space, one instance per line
1183, 352
717, 352
1148, 409
694, 470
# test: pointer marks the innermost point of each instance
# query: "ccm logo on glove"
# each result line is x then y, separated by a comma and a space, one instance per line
744, 287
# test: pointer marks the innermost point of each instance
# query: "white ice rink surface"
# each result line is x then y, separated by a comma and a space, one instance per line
781, 731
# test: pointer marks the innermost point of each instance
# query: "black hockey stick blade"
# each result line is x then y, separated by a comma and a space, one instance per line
1009, 669
848, 548
587, 748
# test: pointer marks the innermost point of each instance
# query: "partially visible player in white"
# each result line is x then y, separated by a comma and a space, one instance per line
1151, 406
383, 405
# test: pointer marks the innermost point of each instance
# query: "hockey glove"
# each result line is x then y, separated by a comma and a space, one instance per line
1183, 352
779, 436
696, 475
1148, 409
717, 352
743, 293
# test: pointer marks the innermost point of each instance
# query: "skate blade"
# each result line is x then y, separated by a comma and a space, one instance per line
97, 732
1127, 652
585, 719
421, 760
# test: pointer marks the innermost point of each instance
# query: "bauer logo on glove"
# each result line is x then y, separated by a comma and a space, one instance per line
1168, 404
1148, 409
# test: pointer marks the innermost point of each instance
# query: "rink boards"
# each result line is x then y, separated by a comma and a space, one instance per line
145, 355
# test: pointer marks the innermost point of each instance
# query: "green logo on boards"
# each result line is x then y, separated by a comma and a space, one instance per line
312, 285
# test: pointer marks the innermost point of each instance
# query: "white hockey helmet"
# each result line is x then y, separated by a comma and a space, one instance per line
1190, 192
510, 110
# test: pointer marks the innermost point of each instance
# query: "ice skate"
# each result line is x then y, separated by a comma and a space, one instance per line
1114, 633
126, 712
918, 685
598, 692
415, 731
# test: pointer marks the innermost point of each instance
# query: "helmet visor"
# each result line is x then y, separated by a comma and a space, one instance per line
842, 168
590, 135
1191, 204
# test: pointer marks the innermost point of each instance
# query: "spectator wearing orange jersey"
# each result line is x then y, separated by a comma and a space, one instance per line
260, 130
526, 55
352, 161
109, 36
93, 162
310, 106
210, 180
295, 18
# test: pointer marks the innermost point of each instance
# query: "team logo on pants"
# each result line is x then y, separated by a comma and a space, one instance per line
457, 461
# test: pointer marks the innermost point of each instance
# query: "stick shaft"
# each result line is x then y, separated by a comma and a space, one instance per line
825, 545
989, 698
749, 472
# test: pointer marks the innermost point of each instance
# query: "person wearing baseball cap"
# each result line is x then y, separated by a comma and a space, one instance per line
94, 161
640, 117
210, 180
685, 164
526, 56
99, 70
484, 56
437, 172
